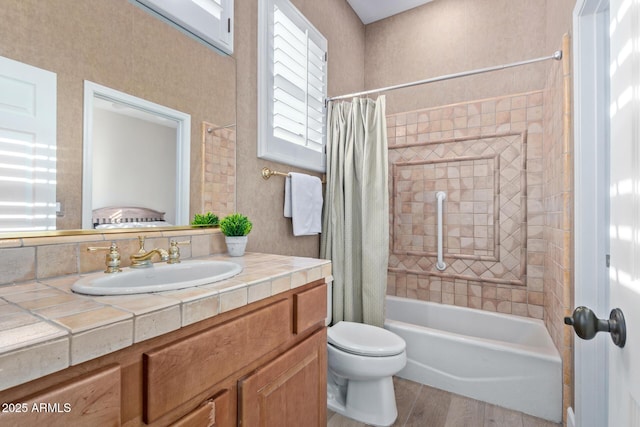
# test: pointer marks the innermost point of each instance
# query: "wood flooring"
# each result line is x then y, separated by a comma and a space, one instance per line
423, 406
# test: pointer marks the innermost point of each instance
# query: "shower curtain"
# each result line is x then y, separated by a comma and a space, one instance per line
355, 227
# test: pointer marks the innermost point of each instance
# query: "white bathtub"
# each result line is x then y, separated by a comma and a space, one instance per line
506, 360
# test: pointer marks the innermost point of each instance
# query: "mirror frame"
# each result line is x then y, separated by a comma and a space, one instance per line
183, 147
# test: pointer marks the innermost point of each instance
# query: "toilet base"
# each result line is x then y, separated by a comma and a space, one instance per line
372, 402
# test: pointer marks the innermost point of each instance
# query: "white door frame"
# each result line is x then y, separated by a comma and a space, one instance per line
591, 206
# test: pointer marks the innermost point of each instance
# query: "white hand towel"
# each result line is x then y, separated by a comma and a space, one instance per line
303, 203
287, 197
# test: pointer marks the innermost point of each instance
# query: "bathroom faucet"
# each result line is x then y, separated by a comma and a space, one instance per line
112, 260
142, 259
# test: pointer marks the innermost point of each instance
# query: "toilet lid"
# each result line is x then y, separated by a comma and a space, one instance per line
365, 340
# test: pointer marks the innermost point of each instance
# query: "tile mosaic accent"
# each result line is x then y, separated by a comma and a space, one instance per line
484, 227
487, 156
219, 169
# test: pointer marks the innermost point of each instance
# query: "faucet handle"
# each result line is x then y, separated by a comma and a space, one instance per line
141, 242
112, 260
174, 251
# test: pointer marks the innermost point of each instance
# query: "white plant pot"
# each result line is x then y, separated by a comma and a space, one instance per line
236, 244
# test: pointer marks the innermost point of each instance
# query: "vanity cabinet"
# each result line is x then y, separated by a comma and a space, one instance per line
289, 391
261, 364
182, 370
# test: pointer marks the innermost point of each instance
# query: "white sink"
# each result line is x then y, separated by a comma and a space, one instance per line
160, 277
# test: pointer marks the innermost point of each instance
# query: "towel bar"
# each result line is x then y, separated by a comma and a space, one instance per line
268, 173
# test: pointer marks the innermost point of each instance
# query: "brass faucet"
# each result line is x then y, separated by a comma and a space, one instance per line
174, 251
142, 259
112, 260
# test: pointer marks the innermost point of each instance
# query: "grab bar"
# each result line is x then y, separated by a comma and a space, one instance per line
440, 197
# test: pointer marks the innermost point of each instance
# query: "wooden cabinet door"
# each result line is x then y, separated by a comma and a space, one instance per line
92, 399
290, 391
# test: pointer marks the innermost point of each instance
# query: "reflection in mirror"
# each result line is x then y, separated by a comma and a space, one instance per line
27, 147
123, 47
136, 154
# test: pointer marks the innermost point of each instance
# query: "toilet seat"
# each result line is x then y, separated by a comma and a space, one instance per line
365, 340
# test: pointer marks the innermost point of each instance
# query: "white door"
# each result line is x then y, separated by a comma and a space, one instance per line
607, 206
27, 147
624, 230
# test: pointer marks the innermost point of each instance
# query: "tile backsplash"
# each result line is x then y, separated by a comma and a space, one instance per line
37, 258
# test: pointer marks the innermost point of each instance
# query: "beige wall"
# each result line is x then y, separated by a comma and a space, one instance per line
263, 200
451, 36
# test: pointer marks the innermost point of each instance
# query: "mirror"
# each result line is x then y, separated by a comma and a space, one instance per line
130, 145
119, 46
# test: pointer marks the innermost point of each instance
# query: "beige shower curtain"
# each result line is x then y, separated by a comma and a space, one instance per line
355, 227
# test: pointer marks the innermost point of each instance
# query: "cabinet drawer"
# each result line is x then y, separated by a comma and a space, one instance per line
90, 400
180, 371
215, 412
309, 308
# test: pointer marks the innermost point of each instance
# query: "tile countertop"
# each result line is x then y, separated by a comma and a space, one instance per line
44, 327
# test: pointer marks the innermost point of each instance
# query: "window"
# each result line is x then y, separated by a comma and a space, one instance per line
208, 20
292, 87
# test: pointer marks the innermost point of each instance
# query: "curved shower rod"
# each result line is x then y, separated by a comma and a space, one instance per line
557, 55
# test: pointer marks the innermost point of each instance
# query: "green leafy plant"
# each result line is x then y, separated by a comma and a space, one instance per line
209, 219
235, 224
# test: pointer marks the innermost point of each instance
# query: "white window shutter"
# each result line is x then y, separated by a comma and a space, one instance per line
210, 21
292, 87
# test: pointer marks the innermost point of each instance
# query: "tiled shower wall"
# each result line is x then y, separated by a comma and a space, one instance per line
558, 207
487, 156
507, 165
219, 169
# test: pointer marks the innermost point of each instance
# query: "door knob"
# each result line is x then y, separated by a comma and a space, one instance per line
587, 325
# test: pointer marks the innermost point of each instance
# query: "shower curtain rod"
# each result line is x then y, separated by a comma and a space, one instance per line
557, 55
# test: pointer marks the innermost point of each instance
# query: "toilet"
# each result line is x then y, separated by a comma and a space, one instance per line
361, 362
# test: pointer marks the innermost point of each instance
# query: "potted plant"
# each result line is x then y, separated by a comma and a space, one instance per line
205, 220
235, 228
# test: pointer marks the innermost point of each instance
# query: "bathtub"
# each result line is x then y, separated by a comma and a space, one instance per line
506, 360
